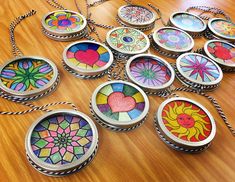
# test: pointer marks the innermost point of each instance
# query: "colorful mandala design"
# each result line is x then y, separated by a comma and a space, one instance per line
120, 102
186, 121
63, 21
222, 52
89, 56
188, 22
150, 72
199, 68
224, 28
136, 14
129, 40
174, 39
61, 139
26, 74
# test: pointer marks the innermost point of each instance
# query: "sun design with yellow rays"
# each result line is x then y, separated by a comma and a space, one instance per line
186, 121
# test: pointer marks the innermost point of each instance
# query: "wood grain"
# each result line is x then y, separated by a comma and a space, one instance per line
138, 155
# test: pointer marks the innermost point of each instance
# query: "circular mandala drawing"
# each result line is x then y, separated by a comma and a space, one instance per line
136, 15
173, 39
199, 68
186, 121
61, 139
221, 52
150, 72
64, 21
223, 28
188, 22
128, 40
26, 74
87, 55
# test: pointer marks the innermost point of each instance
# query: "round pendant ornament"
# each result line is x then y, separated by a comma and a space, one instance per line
27, 78
188, 22
222, 53
198, 71
172, 42
125, 42
64, 25
153, 74
87, 59
138, 17
185, 125
119, 105
221, 29
61, 142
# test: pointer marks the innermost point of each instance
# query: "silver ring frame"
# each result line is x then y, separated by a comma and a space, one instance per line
84, 71
150, 89
62, 33
32, 92
218, 34
129, 23
112, 122
127, 52
193, 80
172, 50
172, 137
190, 31
64, 167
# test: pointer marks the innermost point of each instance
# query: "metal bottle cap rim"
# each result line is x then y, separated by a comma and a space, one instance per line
36, 83
166, 69
94, 57
51, 127
185, 122
214, 77
120, 103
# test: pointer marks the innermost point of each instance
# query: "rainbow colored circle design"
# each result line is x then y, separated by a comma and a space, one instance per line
198, 68
28, 74
220, 51
127, 40
188, 22
88, 56
222, 28
150, 71
64, 21
119, 102
136, 15
61, 139
173, 39
186, 122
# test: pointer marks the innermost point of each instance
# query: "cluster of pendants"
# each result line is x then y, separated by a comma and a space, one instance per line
64, 141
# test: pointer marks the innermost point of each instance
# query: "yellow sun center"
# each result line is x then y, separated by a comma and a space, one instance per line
186, 121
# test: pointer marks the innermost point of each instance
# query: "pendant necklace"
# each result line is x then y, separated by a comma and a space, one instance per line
136, 16
60, 142
217, 28
26, 78
170, 41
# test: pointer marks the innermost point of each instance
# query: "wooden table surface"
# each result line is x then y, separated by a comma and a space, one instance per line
138, 155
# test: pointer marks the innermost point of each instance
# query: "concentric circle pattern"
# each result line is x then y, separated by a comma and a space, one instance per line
61, 139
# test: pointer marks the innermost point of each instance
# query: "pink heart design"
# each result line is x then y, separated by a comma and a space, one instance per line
119, 103
89, 57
